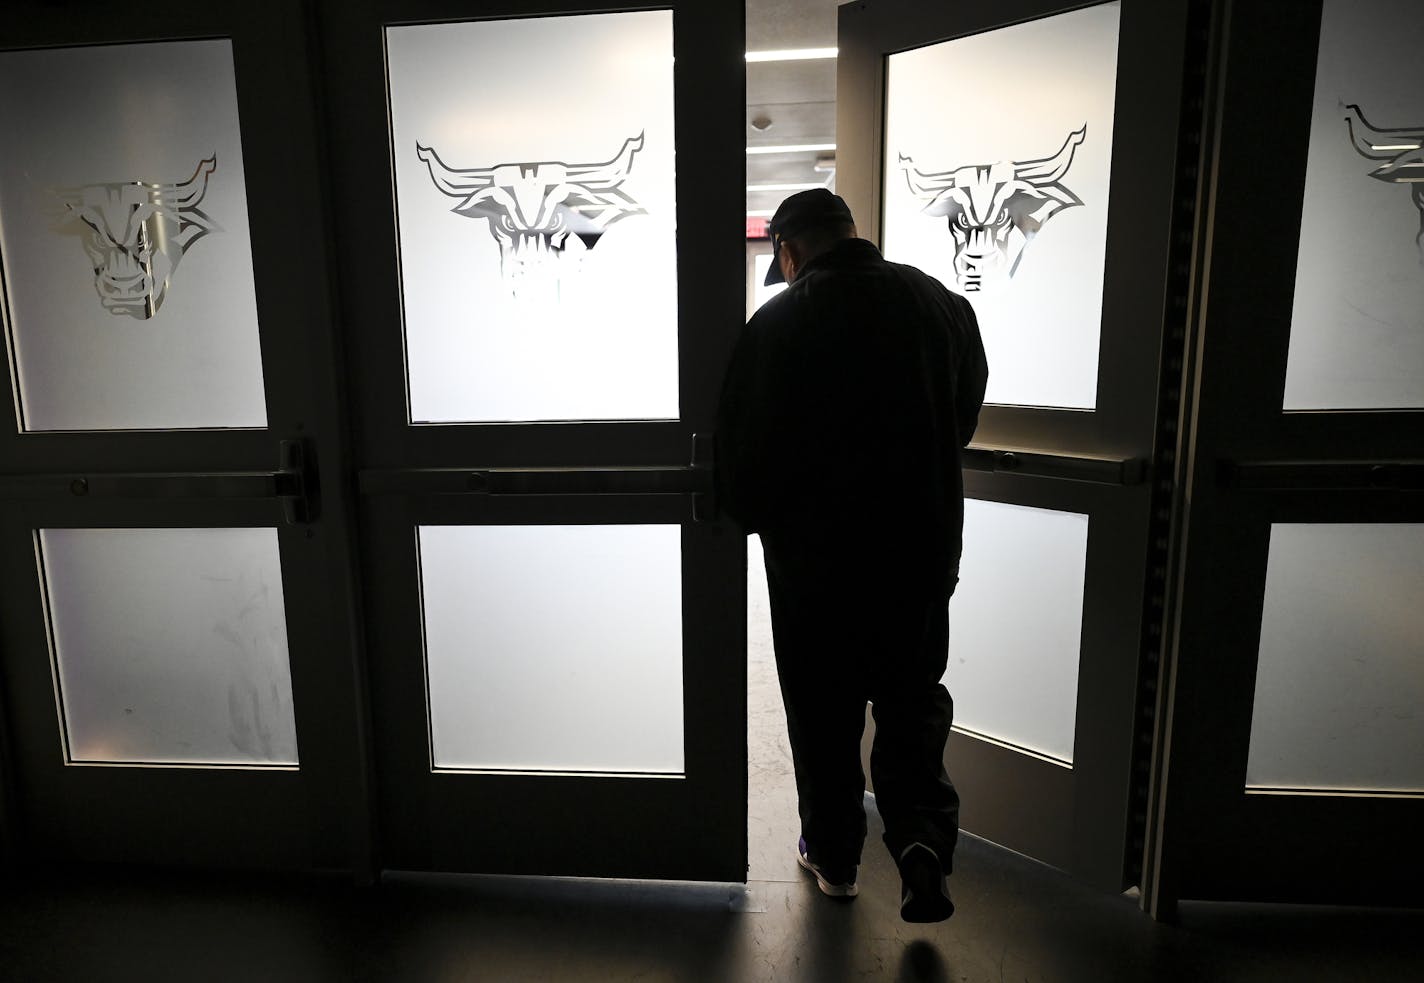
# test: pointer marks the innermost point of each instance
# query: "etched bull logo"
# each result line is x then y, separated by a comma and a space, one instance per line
1401, 149
994, 210
538, 211
135, 234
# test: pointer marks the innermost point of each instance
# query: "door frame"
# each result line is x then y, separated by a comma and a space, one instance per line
410, 475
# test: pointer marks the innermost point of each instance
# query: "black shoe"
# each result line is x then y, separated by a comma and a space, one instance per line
924, 894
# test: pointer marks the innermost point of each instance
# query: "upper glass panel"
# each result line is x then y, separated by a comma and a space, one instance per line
170, 645
997, 155
1340, 679
123, 232
535, 194
1357, 328
1015, 678
554, 648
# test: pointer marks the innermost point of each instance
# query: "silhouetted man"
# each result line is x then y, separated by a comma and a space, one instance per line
844, 409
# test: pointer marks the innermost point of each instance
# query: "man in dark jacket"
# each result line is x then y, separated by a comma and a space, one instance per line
844, 410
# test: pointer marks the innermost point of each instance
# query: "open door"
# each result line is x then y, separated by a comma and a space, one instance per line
1026, 154
539, 218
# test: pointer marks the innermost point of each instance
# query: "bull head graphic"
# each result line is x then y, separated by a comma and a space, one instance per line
994, 209
537, 211
136, 234
1402, 150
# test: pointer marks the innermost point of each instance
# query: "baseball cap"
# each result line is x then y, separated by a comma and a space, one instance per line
803, 210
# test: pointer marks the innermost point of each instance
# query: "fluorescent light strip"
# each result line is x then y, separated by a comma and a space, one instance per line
793, 54
760, 212
804, 186
794, 148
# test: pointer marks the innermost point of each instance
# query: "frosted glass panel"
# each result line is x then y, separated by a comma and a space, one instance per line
1357, 329
1015, 624
171, 645
997, 161
1340, 679
124, 237
554, 648
535, 193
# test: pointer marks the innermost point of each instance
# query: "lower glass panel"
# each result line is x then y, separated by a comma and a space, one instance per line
554, 648
170, 645
1015, 626
1340, 676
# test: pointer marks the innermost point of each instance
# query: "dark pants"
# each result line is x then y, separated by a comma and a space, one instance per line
848, 631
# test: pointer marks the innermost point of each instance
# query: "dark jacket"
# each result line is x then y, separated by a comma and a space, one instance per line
844, 409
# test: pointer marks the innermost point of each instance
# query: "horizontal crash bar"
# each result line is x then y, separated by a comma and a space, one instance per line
1069, 467
228, 484
1394, 475
678, 480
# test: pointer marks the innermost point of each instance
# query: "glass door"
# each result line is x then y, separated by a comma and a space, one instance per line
542, 292
1026, 155
1297, 666
177, 615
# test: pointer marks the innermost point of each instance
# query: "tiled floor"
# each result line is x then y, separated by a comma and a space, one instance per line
1017, 920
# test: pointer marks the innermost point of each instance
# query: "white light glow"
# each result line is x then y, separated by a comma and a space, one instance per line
802, 186
794, 148
792, 54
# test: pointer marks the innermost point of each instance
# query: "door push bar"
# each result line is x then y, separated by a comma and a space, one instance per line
695, 479
293, 483
1089, 468
1398, 475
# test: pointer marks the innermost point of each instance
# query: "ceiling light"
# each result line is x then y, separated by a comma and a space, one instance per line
793, 148
792, 54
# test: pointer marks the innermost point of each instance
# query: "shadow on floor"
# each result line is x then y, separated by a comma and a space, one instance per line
1017, 921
